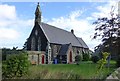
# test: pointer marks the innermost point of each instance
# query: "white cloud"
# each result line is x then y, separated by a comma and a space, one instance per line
7, 12
82, 28
75, 14
104, 10
8, 34
13, 30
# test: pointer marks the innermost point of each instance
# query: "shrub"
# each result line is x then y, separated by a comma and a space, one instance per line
15, 66
102, 61
86, 57
78, 58
95, 59
118, 61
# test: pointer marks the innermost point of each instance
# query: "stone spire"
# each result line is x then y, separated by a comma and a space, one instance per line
38, 14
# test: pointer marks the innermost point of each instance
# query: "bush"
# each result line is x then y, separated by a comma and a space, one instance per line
78, 58
95, 59
15, 66
86, 57
118, 61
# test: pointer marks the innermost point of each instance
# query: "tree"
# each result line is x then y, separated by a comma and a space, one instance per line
14, 48
86, 57
15, 66
4, 52
102, 62
25, 45
108, 29
95, 59
78, 58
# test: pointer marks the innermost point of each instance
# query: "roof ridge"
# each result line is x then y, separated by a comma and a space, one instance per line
56, 27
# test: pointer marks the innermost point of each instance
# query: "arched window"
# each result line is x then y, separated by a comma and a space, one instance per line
39, 44
55, 49
78, 52
48, 53
33, 44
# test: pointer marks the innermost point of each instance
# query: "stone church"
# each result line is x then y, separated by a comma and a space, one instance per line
48, 44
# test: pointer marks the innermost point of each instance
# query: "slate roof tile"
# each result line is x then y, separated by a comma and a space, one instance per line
60, 36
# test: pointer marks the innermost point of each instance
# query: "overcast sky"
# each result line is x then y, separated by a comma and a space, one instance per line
17, 19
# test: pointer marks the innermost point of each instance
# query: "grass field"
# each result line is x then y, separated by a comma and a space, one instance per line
86, 70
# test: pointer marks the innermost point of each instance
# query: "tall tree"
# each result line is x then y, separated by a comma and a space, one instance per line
108, 29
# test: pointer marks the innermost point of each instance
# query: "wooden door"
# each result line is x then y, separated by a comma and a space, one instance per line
43, 58
70, 57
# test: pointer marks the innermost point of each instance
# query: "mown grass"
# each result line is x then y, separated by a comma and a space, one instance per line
86, 70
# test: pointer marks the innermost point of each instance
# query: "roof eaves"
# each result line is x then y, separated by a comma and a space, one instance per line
44, 33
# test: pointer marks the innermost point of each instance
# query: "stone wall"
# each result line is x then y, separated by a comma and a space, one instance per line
36, 57
55, 50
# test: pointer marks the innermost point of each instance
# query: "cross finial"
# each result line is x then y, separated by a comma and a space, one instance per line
38, 9
38, 13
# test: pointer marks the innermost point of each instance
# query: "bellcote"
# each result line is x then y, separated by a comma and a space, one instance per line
38, 14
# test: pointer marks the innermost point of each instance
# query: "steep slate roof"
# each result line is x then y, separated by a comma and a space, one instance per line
64, 48
60, 36
82, 42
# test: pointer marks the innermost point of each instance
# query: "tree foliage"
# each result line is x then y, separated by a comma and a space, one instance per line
118, 61
103, 61
25, 45
108, 29
78, 58
16, 65
95, 59
86, 57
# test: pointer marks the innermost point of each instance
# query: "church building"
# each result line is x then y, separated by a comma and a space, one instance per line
48, 44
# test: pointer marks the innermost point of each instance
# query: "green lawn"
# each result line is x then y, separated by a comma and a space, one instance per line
86, 70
